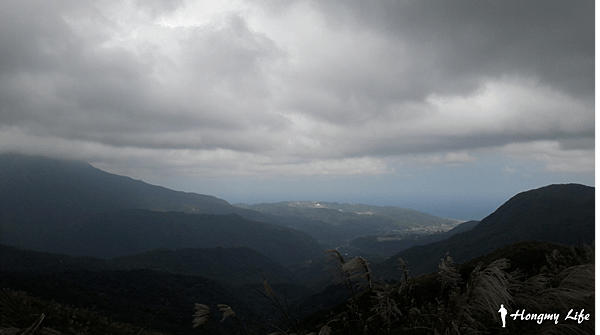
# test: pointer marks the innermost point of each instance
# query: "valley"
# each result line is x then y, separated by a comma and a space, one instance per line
145, 255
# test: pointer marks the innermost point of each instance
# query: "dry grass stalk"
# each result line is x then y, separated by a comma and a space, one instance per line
358, 268
404, 267
341, 276
466, 306
490, 288
575, 285
202, 315
448, 275
325, 330
469, 304
34, 326
385, 309
271, 294
268, 289
227, 311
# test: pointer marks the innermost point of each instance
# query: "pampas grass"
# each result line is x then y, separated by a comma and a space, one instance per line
385, 310
465, 304
202, 315
270, 294
559, 289
358, 268
340, 275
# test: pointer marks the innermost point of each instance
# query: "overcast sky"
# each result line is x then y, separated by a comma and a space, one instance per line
451, 107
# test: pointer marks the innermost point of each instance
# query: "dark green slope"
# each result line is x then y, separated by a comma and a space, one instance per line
159, 286
70, 207
133, 231
529, 257
18, 260
43, 198
129, 232
232, 266
40, 187
227, 266
557, 213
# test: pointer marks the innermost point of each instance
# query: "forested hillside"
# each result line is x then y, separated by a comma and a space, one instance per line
557, 213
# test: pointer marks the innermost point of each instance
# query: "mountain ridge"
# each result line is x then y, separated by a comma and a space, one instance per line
559, 213
65, 206
44, 199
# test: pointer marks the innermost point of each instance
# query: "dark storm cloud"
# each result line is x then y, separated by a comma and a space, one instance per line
447, 48
32, 39
472, 39
297, 86
57, 78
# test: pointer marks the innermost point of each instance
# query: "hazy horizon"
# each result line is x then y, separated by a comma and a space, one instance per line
451, 202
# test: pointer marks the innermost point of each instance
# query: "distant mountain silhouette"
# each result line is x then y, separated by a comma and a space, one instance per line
58, 205
561, 214
70, 207
44, 186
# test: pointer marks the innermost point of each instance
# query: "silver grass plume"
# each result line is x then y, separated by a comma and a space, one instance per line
575, 285
325, 330
271, 294
336, 258
558, 289
35, 325
404, 267
469, 304
385, 307
590, 253
358, 268
447, 273
342, 276
201, 316
227, 311
335, 255
268, 289
490, 287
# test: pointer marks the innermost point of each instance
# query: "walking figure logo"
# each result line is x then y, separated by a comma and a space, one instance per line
503, 313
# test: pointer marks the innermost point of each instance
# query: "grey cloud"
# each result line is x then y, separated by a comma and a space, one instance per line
553, 40
227, 87
159, 7
232, 56
73, 87
33, 36
447, 48
584, 143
